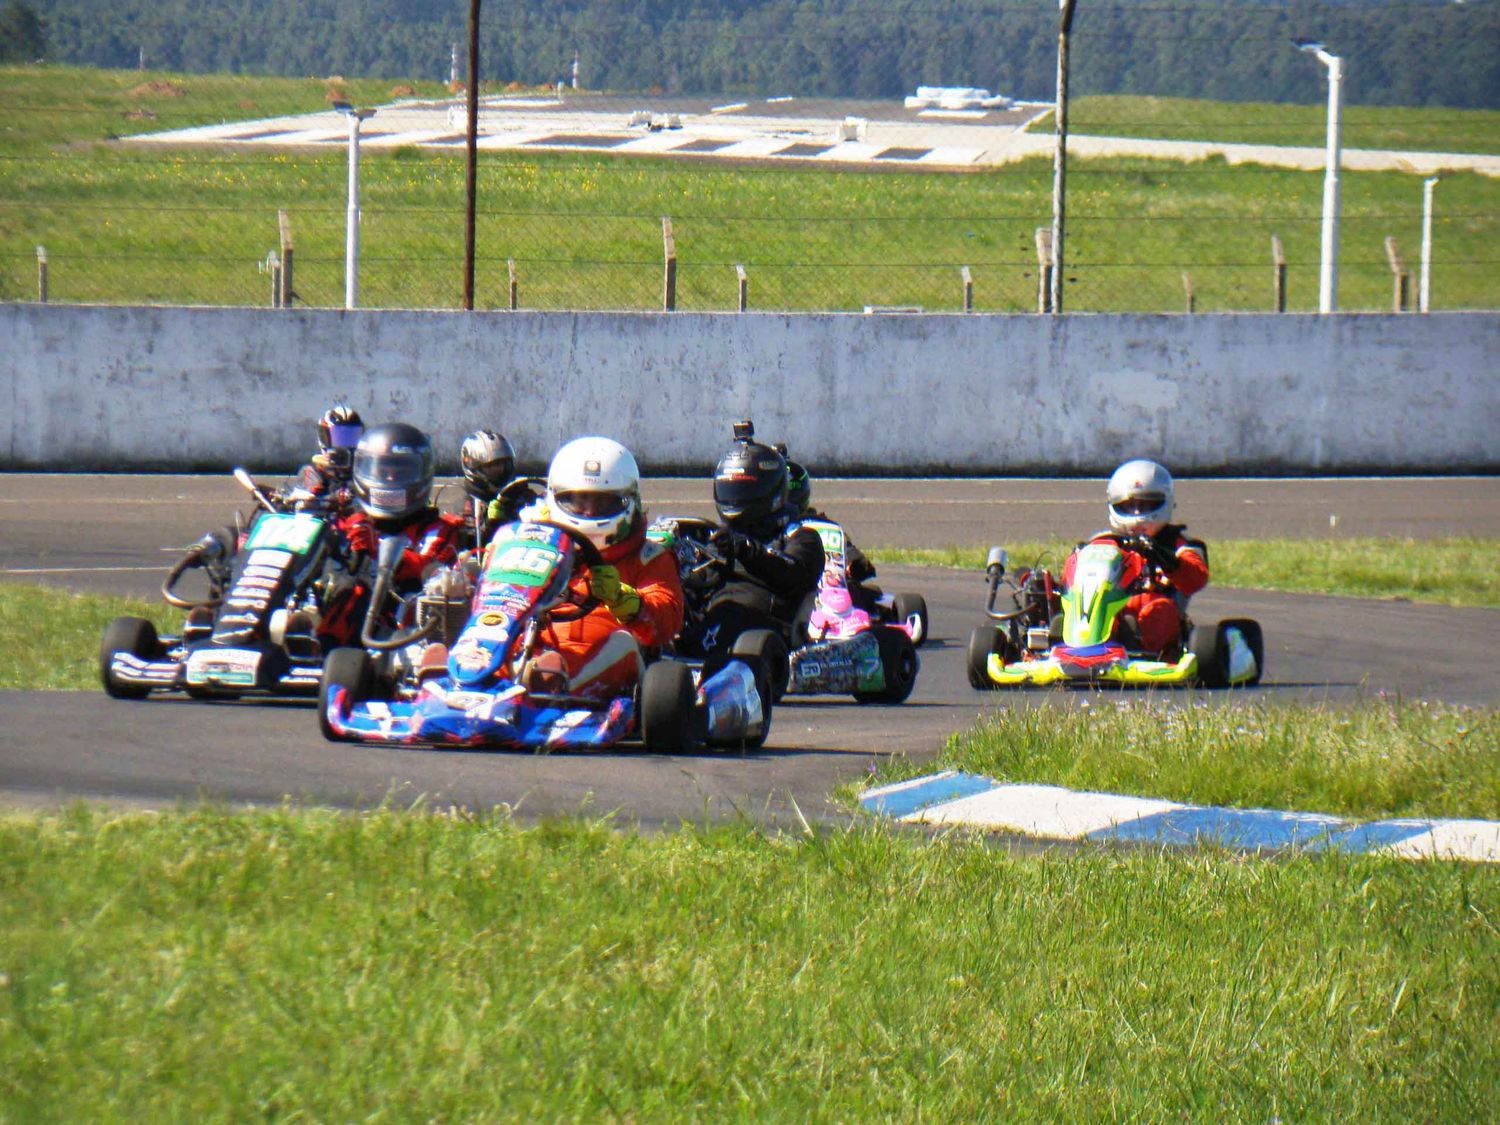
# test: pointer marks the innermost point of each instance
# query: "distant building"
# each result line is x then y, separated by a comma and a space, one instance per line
955, 97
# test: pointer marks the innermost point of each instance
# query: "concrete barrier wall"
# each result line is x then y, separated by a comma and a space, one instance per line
102, 388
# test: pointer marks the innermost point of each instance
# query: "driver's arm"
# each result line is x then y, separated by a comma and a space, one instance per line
660, 617
791, 571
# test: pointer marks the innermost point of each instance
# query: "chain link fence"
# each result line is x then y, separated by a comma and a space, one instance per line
90, 212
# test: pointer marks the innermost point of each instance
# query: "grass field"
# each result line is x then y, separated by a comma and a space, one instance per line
1447, 571
1380, 758
387, 966
189, 226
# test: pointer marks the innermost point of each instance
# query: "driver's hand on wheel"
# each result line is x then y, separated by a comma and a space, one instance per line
1161, 558
734, 544
621, 600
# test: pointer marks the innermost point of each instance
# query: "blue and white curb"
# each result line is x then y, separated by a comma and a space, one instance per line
1054, 813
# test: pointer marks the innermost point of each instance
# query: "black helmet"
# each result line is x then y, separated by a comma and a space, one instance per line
488, 462
393, 467
750, 485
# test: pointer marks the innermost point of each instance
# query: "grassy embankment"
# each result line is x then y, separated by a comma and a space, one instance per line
386, 966
130, 224
1463, 572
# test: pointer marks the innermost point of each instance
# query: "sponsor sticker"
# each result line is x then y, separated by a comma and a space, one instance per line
228, 666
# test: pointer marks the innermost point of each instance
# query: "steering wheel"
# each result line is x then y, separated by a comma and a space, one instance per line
573, 607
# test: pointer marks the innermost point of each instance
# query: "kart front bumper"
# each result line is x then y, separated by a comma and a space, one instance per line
1058, 668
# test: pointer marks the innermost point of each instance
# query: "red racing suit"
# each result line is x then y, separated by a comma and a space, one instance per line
434, 538
1172, 569
599, 664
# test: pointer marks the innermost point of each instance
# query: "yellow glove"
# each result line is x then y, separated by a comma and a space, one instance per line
495, 510
621, 600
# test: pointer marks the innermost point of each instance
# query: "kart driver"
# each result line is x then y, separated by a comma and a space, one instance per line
773, 565
1160, 561
799, 507
488, 461
594, 491
391, 475
324, 480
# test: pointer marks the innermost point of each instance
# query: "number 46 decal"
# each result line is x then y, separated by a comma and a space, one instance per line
521, 559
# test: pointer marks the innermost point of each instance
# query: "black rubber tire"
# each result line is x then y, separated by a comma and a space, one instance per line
898, 656
1249, 631
768, 648
984, 640
668, 697
349, 668
904, 606
134, 635
1213, 655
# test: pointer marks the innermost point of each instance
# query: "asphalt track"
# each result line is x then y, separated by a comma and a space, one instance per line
117, 534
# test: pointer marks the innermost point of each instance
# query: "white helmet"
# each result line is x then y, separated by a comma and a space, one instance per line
1140, 498
594, 488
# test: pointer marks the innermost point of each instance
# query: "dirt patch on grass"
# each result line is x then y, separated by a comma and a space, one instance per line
139, 113
158, 90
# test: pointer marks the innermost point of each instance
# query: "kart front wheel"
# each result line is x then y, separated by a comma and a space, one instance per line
134, 635
767, 647
350, 669
898, 660
668, 699
906, 606
984, 640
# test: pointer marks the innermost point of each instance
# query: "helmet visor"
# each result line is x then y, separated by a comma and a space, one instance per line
1140, 505
591, 505
742, 490
344, 435
397, 470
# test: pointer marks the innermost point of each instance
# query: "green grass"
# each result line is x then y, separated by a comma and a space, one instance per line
1380, 758
49, 638
1463, 572
1420, 129
311, 966
130, 224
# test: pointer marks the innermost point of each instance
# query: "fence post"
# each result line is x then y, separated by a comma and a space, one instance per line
1044, 269
968, 289
285, 293
1278, 276
1400, 298
669, 281
41, 274
1187, 287
272, 265
744, 280
515, 286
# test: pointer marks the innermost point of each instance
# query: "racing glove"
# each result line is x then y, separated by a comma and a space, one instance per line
621, 600
735, 544
1162, 558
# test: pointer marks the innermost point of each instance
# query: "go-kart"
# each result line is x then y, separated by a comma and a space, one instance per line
255, 630
907, 612
1049, 635
850, 651
409, 688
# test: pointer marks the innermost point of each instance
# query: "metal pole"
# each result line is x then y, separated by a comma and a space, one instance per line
41, 274
351, 228
1328, 282
1425, 296
1060, 154
471, 171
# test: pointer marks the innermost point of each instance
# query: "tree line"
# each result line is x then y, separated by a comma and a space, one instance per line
1399, 52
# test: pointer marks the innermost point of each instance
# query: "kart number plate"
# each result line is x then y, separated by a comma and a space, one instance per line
228, 666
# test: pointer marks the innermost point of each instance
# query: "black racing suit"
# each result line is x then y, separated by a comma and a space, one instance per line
763, 588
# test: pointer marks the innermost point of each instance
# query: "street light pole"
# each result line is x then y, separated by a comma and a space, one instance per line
1328, 277
1060, 153
351, 221
1424, 299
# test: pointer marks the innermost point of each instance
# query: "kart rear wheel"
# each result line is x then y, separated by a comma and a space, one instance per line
768, 648
350, 669
984, 640
1216, 652
898, 658
134, 635
906, 606
668, 699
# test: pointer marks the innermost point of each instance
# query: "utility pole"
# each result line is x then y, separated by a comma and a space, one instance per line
1060, 153
471, 172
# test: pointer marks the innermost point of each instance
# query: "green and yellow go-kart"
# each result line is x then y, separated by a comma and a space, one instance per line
1076, 636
